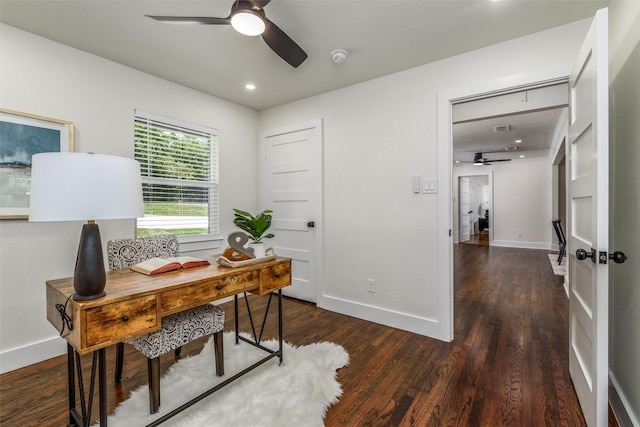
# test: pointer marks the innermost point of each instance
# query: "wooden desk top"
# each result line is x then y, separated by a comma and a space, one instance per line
135, 303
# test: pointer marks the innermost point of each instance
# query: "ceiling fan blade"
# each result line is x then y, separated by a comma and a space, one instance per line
202, 20
498, 160
283, 45
256, 4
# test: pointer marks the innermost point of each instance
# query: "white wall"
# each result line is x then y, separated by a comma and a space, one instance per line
624, 233
49, 79
377, 135
522, 196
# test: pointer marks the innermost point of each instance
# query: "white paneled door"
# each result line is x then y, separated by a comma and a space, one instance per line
292, 188
464, 190
589, 224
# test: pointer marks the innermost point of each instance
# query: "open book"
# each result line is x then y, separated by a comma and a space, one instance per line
160, 265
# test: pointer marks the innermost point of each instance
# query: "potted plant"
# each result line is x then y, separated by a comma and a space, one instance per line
256, 227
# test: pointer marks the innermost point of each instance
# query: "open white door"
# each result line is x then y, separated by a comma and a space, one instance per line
465, 208
292, 183
589, 223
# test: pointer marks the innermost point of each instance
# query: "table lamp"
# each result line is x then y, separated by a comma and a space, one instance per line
85, 187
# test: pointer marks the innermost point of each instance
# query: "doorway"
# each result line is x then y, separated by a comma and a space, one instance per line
474, 209
447, 215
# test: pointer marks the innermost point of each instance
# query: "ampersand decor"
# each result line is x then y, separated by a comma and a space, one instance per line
237, 241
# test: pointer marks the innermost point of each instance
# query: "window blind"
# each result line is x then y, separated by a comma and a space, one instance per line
179, 168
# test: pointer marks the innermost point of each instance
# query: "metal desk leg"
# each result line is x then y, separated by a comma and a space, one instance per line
280, 325
71, 385
256, 343
102, 391
73, 365
235, 308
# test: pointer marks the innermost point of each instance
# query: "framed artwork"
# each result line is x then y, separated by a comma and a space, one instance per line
21, 136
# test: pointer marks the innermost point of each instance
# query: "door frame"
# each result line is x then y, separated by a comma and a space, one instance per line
446, 99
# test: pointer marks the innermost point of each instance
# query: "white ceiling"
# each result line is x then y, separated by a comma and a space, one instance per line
529, 116
381, 36
534, 129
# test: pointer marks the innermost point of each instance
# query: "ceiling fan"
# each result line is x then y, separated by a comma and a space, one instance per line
248, 17
480, 160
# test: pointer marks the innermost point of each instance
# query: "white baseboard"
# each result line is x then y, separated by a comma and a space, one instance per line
17, 358
418, 325
520, 244
620, 405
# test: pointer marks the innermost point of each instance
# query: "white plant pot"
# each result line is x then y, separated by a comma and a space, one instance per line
259, 249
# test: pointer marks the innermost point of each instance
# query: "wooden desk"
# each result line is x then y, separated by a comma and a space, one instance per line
135, 304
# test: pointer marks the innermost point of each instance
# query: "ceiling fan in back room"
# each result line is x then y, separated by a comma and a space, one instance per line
480, 160
248, 17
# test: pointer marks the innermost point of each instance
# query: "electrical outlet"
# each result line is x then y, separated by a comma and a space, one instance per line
371, 285
519, 235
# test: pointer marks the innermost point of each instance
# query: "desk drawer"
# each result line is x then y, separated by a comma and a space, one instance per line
113, 321
208, 291
274, 277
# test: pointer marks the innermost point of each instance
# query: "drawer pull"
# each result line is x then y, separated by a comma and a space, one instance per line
125, 318
218, 287
277, 276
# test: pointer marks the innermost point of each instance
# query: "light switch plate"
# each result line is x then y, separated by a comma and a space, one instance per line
429, 186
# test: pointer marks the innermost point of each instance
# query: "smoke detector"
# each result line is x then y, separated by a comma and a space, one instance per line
339, 55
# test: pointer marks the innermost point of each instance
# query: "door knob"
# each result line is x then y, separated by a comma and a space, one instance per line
311, 224
618, 257
581, 254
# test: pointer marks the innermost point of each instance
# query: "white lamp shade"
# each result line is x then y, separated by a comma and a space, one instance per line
84, 186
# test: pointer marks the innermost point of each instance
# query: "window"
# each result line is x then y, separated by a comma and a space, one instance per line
179, 167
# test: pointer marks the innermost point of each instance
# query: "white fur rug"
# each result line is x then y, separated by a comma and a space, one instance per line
295, 394
558, 269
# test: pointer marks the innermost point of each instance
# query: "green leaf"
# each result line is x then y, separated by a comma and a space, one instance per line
255, 226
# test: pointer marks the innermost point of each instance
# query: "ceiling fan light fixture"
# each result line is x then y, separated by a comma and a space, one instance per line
248, 22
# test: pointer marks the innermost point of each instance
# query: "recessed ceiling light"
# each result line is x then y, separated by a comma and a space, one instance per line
522, 156
250, 86
457, 161
518, 141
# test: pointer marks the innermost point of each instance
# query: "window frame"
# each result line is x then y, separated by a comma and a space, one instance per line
189, 243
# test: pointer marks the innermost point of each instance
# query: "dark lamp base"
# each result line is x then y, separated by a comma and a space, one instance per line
89, 278
78, 297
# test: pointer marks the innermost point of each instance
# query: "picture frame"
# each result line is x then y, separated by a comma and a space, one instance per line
21, 136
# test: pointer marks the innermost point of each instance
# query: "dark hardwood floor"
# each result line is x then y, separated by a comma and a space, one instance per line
507, 366
478, 239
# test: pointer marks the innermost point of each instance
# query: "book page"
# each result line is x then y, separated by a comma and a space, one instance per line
189, 261
155, 265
